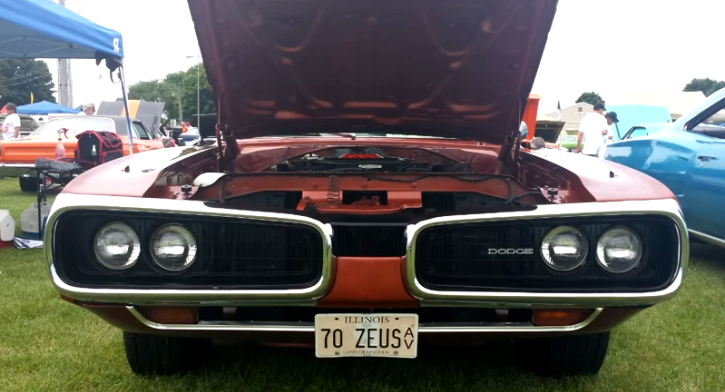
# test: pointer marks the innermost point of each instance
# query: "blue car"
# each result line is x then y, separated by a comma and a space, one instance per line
644, 130
688, 156
631, 116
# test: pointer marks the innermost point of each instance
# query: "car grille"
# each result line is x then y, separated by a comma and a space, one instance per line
233, 253
455, 257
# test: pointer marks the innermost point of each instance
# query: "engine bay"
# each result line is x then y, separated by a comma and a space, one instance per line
371, 160
374, 182
344, 181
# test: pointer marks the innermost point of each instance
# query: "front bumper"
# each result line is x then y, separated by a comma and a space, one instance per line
16, 169
129, 318
377, 282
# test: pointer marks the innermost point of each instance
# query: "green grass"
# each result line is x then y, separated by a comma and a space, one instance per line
47, 344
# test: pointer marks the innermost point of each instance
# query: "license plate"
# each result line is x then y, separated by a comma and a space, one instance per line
366, 335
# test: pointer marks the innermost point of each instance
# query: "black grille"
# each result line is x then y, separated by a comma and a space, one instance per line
232, 253
368, 241
456, 257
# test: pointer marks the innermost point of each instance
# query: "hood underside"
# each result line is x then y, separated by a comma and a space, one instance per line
458, 69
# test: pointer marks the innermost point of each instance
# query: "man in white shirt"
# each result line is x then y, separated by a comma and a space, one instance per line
11, 125
89, 109
593, 129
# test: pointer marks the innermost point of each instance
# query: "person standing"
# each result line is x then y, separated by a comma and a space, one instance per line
592, 129
612, 121
11, 125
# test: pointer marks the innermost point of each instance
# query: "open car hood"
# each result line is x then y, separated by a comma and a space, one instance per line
457, 69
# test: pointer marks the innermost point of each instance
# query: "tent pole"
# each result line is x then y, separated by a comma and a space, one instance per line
129, 130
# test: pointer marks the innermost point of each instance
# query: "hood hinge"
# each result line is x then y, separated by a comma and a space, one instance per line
229, 151
509, 153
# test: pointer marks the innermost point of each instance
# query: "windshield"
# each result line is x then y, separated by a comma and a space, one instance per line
141, 131
75, 125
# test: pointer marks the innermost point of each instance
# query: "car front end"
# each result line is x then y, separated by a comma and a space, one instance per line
363, 209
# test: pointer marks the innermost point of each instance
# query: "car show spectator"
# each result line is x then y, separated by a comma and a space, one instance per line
592, 129
11, 125
612, 120
89, 109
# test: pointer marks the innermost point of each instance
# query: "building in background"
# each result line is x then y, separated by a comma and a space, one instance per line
571, 116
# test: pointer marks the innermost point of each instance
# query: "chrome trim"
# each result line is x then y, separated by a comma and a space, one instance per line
668, 208
710, 239
16, 169
310, 327
300, 297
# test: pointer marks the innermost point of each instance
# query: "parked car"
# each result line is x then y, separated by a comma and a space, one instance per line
367, 206
644, 130
190, 137
27, 124
716, 131
689, 157
630, 116
17, 156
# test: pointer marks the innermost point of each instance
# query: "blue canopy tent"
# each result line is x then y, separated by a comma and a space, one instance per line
45, 107
44, 29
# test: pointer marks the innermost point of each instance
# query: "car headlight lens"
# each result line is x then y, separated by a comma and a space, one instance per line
564, 248
619, 250
173, 247
117, 246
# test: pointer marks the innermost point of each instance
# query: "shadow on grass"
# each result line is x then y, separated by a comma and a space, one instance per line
708, 255
487, 367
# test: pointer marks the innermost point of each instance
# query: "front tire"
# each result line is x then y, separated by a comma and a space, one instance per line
164, 355
564, 356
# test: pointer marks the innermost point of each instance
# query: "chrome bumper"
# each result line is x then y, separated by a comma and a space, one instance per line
16, 169
310, 327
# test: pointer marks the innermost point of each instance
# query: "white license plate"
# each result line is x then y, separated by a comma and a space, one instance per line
366, 335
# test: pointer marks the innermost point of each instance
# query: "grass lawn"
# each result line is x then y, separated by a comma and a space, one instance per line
47, 344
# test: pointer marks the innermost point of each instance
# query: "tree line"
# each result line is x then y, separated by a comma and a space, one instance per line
178, 91
21, 77
706, 85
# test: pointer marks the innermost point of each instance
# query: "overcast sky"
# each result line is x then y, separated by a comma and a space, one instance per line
613, 47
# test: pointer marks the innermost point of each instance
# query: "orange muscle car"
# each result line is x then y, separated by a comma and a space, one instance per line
17, 156
369, 196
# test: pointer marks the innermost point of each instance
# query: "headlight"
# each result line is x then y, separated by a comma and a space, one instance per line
619, 250
564, 248
173, 247
117, 246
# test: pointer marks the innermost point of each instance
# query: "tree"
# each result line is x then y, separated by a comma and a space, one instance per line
178, 91
188, 93
591, 98
20, 77
145, 91
707, 86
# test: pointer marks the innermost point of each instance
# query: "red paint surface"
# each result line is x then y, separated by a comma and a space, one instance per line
368, 282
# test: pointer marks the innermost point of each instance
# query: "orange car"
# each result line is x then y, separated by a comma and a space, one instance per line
17, 156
